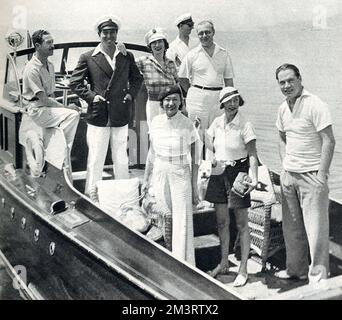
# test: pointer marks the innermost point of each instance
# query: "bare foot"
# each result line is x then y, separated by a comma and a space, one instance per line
219, 270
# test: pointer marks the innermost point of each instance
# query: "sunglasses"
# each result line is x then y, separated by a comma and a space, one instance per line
189, 23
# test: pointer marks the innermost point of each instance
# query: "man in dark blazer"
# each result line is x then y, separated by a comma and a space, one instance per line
112, 82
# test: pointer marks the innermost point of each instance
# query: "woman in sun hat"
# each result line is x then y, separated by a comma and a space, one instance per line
159, 72
174, 180
233, 140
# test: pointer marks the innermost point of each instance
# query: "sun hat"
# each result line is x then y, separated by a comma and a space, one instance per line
154, 35
228, 93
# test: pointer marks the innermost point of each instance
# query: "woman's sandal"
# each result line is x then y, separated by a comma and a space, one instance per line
240, 280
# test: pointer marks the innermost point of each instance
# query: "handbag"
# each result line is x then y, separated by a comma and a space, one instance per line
239, 186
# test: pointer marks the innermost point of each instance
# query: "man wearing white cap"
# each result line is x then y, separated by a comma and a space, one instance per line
114, 81
159, 72
207, 69
183, 43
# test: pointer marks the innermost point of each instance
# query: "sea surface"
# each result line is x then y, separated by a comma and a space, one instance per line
255, 56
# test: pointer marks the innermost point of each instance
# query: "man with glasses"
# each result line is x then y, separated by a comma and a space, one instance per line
114, 81
183, 43
205, 70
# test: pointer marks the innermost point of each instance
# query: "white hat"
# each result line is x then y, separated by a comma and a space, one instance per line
155, 34
183, 17
228, 93
107, 21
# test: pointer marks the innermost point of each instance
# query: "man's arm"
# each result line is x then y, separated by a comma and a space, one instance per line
328, 146
185, 84
282, 144
77, 79
229, 82
48, 101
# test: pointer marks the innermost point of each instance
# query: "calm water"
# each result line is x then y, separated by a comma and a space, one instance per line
255, 57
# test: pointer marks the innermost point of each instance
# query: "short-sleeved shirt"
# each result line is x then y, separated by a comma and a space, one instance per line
230, 139
203, 70
157, 78
178, 49
172, 137
37, 78
301, 126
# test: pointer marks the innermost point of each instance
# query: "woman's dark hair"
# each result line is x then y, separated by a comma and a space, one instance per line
37, 36
171, 90
287, 66
241, 102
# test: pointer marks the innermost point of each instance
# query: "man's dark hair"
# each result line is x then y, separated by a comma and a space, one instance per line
287, 66
37, 36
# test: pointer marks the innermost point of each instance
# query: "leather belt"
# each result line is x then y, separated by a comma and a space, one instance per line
208, 88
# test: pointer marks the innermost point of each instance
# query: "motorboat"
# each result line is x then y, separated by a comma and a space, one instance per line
59, 244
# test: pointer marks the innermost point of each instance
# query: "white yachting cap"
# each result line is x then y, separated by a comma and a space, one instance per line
107, 21
183, 17
155, 34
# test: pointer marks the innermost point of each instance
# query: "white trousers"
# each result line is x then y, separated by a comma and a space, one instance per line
153, 108
205, 105
65, 119
98, 139
172, 188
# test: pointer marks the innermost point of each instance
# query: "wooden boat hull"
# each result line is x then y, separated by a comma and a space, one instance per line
95, 257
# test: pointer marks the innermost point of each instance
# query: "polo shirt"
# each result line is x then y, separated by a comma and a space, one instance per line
230, 139
37, 78
172, 137
157, 78
203, 70
178, 49
301, 126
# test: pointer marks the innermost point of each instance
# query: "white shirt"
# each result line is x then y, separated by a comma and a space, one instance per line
37, 78
178, 49
172, 137
230, 139
301, 126
108, 58
203, 70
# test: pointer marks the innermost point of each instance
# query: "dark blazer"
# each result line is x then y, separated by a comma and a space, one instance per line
97, 72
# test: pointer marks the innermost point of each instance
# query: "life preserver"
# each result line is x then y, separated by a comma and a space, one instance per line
34, 153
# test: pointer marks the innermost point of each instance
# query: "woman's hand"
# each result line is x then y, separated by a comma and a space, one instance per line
252, 184
122, 48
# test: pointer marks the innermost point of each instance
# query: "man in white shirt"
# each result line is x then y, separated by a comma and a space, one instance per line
204, 71
179, 47
306, 149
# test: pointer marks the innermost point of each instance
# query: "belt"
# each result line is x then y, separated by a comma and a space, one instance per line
208, 88
233, 163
